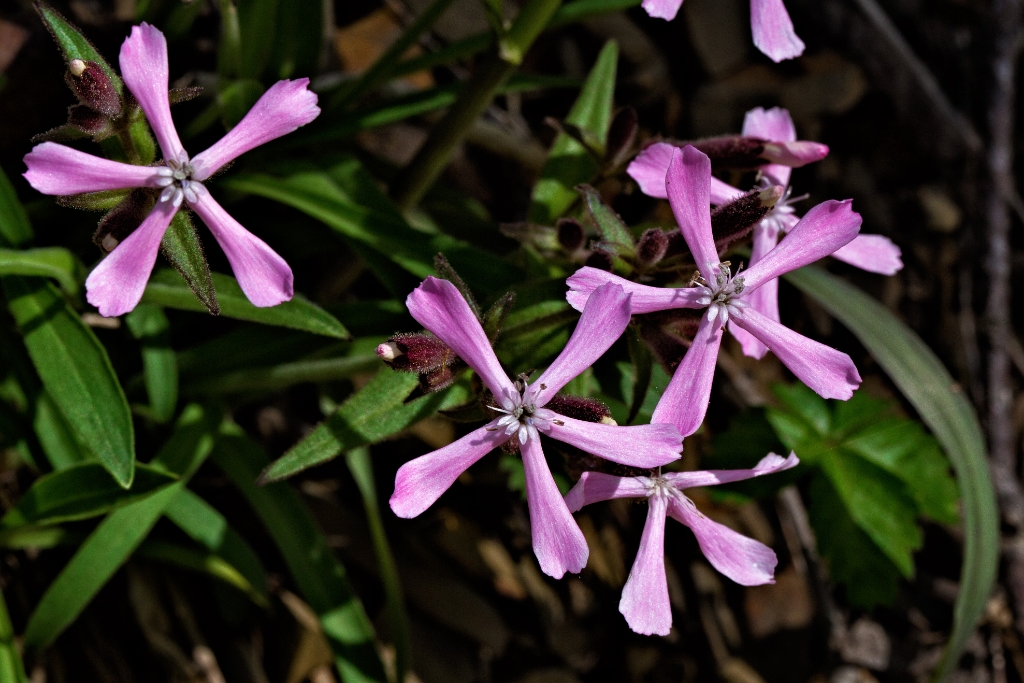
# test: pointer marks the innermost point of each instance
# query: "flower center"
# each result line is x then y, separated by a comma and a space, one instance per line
176, 179
779, 218
722, 296
522, 416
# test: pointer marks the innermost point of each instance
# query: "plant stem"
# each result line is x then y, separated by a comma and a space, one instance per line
477, 94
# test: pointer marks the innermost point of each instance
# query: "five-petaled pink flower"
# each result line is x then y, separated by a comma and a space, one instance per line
769, 22
824, 229
873, 253
557, 539
645, 602
117, 283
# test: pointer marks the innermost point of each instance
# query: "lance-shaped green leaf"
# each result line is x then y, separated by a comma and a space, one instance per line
12, 670
73, 44
375, 412
942, 405
182, 248
150, 327
569, 162
117, 536
166, 289
203, 562
80, 492
55, 262
614, 232
321, 579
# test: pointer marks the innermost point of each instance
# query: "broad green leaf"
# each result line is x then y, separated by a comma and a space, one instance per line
204, 562
12, 670
249, 346
150, 327
854, 560
569, 162
584, 9
117, 536
803, 403
15, 230
182, 248
55, 262
73, 44
80, 492
375, 412
321, 579
944, 408
258, 22
55, 435
166, 289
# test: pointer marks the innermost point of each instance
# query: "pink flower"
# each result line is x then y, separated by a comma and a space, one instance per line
557, 540
824, 229
645, 602
117, 283
769, 22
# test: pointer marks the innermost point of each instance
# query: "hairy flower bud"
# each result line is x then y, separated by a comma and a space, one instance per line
732, 151
416, 353
123, 219
581, 408
93, 87
570, 234
88, 120
652, 247
621, 137
600, 259
735, 220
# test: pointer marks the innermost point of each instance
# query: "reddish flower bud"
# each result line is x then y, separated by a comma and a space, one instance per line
581, 408
652, 247
92, 87
570, 234
600, 259
416, 353
733, 221
621, 137
88, 120
733, 151
123, 219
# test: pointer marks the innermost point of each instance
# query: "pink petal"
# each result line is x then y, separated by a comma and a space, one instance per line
650, 167
769, 464
439, 307
645, 602
420, 482
595, 487
605, 317
722, 192
688, 185
144, 70
823, 230
830, 373
742, 559
773, 30
644, 446
764, 299
643, 298
116, 285
686, 398
263, 275
771, 124
873, 253
662, 9
557, 540
282, 109
56, 169
794, 154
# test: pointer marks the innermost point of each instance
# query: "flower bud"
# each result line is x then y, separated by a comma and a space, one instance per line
652, 247
570, 234
732, 151
416, 353
794, 154
599, 258
92, 87
88, 120
436, 380
735, 220
621, 137
581, 408
123, 219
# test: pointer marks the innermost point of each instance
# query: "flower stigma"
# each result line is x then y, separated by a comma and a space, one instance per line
176, 179
722, 297
522, 417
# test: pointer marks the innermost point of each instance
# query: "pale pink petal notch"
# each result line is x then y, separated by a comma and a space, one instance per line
57, 169
645, 603
873, 253
262, 274
769, 464
596, 487
771, 124
420, 482
643, 298
688, 185
685, 400
285, 107
145, 71
662, 9
647, 446
742, 559
830, 373
557, 540
439, 307
773, 30
604, 319
825, 228
117, 284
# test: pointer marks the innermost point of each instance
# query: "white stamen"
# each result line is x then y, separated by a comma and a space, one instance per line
522, 418
722, 297
179, 197
164, 181
167, 193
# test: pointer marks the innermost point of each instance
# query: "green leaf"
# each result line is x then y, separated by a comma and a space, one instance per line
802, 402
182, 248
80, 492
614, 232
73, 44
854, 560
15, 230
55, 262
12, 670
117, 536
375, 412
203, 562
76, 373
321, 579
944, 408
643, 363
569, 162
150, 326
166, 289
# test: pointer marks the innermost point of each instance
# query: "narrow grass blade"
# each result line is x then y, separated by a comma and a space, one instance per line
150, 327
